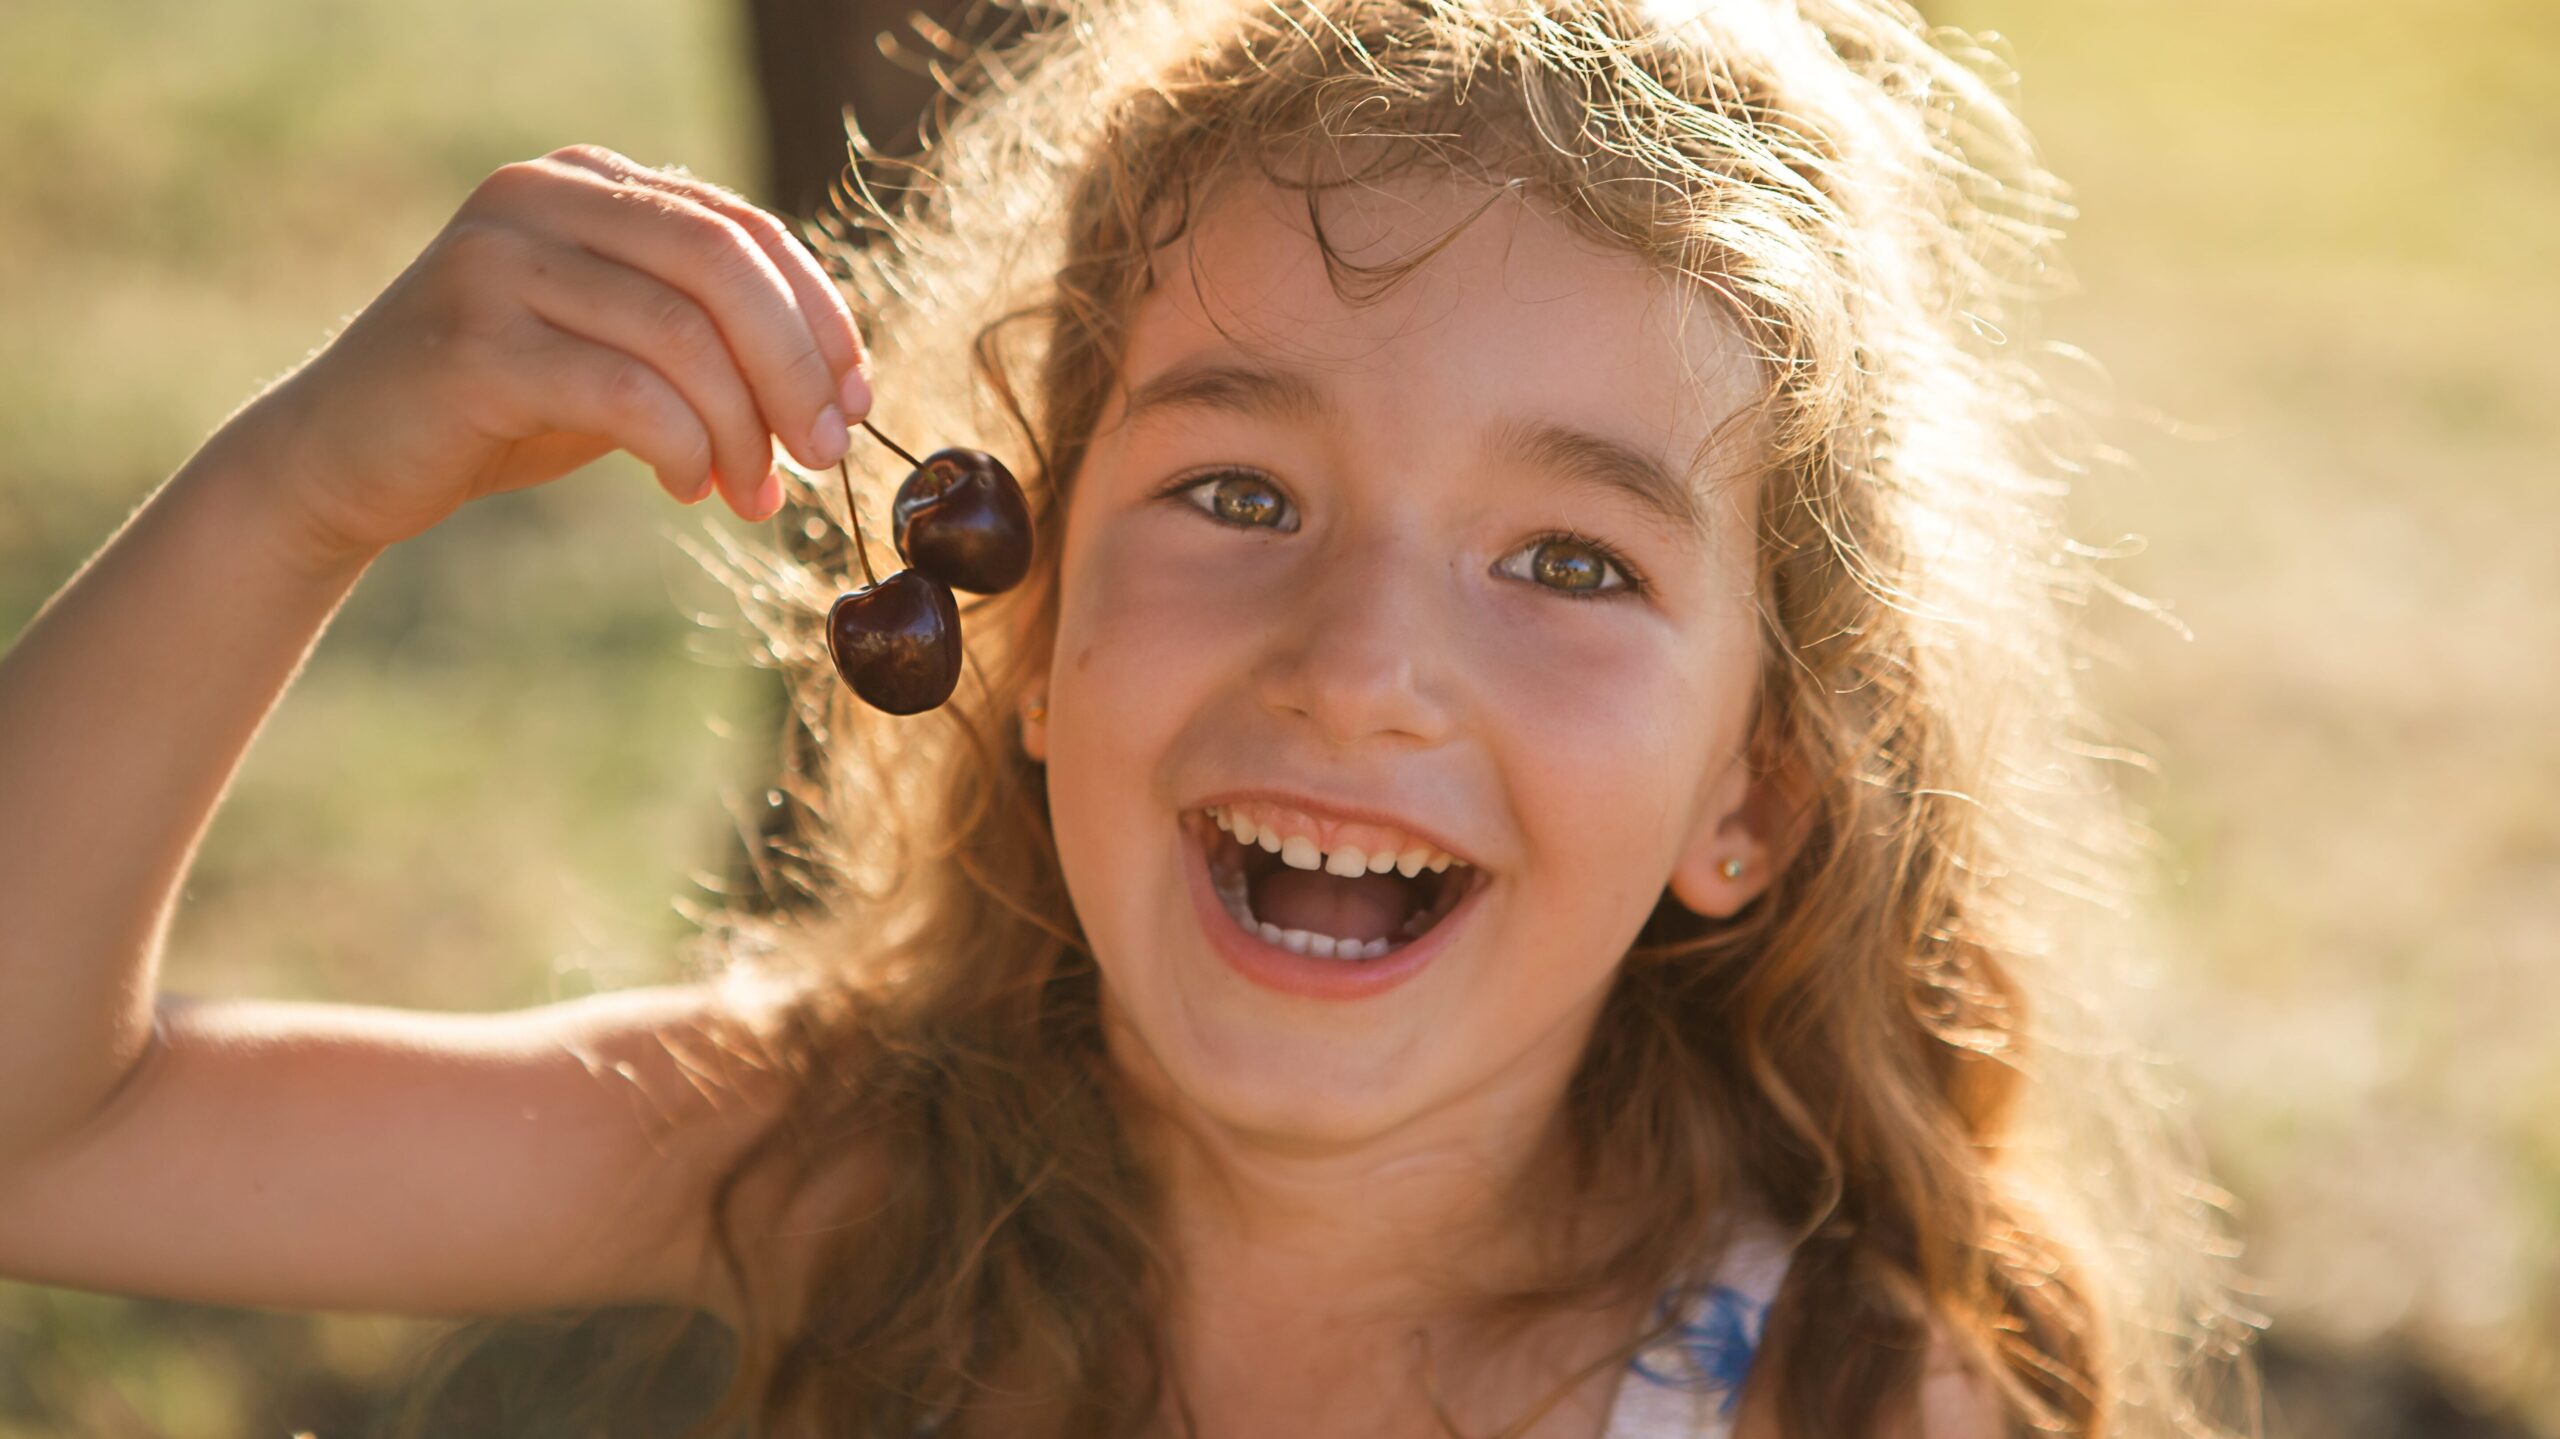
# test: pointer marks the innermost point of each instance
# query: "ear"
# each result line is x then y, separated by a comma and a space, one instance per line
1750, 821
1036, 651
1033, 717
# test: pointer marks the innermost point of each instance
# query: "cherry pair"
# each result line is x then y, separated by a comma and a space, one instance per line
960, 523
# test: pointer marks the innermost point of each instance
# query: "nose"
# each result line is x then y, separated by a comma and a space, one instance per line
1361, 652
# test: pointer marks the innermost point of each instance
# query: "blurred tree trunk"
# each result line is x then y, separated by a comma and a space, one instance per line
814, 59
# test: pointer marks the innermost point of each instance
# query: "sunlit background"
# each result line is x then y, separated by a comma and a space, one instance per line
2315, 260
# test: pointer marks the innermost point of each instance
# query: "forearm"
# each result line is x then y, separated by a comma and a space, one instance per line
125, 707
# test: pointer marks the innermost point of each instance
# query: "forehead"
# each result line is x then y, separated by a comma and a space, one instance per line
1510, 316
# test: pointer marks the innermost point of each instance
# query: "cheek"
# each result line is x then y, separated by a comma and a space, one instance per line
1133, 663
1582, 695
1610, 733
1136, 621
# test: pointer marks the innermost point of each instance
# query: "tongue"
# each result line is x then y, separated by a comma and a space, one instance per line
1363, 908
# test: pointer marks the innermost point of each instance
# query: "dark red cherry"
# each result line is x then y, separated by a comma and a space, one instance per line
897, 642
960, 517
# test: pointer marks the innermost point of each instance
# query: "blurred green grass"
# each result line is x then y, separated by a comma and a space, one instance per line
2315, 255
2314, 261
515, 747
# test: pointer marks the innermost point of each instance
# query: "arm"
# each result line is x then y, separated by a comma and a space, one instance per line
509, 353
292, 1155
312, 1156
125, 708
298, 1155
327, 1156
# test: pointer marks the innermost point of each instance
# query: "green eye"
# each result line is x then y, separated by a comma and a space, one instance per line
1566, 563
1575, 566
1241, 498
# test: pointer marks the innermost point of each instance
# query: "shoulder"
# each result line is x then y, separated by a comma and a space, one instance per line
1956, 1401
702, 1070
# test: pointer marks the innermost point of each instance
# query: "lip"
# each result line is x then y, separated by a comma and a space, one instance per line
1348, 814
1302, 975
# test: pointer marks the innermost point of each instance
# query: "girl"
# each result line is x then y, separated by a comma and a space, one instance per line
1512, 868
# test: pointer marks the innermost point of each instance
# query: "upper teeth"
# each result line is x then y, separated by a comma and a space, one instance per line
1298, 849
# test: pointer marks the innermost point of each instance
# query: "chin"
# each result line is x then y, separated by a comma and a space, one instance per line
1249, 1077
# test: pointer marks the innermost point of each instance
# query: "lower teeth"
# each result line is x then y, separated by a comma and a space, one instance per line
1299, 941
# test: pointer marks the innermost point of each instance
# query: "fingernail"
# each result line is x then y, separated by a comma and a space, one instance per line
828, 440
855, 392
769, 495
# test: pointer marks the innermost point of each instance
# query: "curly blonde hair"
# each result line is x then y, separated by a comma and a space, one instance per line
1904, 1047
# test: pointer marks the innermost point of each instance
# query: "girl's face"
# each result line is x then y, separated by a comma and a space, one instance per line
1449, 570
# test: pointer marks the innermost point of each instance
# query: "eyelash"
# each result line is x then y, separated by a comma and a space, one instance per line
1633, 584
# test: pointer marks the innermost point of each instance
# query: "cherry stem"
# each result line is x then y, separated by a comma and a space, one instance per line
861, 551
894, 448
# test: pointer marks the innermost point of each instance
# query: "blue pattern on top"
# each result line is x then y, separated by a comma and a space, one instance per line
1718, 1340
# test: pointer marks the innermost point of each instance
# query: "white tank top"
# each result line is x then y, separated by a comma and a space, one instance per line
1688, 1384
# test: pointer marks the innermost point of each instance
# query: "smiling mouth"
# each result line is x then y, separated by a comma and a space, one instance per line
1322, 913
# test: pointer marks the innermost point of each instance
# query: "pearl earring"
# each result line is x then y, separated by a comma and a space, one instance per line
1731, 869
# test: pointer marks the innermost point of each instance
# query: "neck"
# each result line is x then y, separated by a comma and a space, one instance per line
1392, 1230
1331, 1275
1414, 1216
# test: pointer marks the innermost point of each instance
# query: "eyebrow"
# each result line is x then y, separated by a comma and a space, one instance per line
1583, 458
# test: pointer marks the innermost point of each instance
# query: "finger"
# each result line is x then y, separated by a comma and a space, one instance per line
822, 305
708, 256
574, 385
639, 315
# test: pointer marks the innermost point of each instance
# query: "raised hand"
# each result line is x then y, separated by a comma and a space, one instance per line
575, 304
